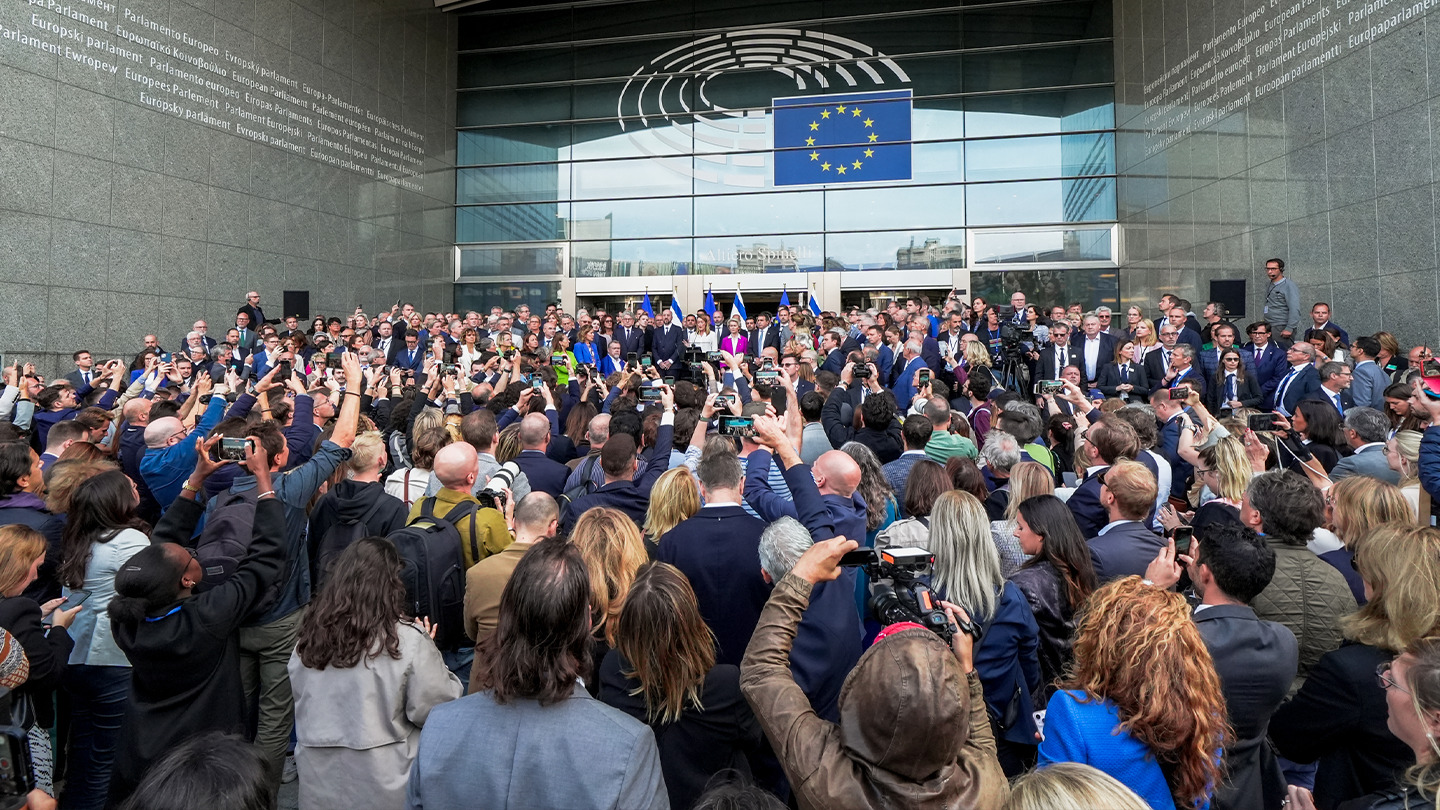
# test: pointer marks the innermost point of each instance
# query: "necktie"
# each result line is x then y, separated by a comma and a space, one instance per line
1060, 366
1125, 374
1229, 387
1338, 406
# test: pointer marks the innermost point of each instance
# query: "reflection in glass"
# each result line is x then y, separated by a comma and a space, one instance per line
507, 295
895, 250
512, 261
1037, 201
647, 177
511, 223
1070, 245
760, 213
1051, 111
515, 183
1091, 288
635, 219
1041, 157
523, 144
641, 257
897, 207
759, 254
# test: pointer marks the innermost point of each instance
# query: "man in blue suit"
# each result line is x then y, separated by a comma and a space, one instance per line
833, 359
1369, 383
1107, 440
1301, 382
1173, 419
718, 550
1183, 371
1177, 317
668, 343
1269, 359
545, 474
884, 357
412, 356
910, 363
1125, 545
630, 337
1365, 432
765, 335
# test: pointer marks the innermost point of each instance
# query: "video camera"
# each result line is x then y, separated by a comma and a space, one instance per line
897, 593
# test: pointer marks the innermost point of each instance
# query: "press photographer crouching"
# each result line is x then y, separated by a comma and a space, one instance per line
913, 729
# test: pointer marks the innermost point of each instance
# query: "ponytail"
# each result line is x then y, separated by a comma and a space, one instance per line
146, 582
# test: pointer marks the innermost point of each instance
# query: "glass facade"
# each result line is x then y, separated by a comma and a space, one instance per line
640, 139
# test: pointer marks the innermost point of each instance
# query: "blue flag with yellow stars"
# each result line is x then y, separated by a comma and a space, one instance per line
844, 138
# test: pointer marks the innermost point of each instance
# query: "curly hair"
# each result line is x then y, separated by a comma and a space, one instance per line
356, 615
613, 550
1136, 646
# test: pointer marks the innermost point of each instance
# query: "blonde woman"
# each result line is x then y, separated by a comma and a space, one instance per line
613, 550
1402, 452
1027, 479
675, 497
1355, 507
704, 338
976, 361
1145, 340
1071, 786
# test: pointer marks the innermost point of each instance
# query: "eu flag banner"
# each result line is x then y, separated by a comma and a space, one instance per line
843, 138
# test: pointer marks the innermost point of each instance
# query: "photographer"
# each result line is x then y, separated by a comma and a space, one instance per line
913, 728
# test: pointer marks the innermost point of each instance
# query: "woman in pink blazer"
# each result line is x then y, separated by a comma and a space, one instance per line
735, 341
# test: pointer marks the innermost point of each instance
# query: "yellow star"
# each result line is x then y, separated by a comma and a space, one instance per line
824, 113
869, 121
814, 155
873, 137
809, 141
825, 167
840, 109
840, 169
814, 125
869, 153
857, 164
855, 111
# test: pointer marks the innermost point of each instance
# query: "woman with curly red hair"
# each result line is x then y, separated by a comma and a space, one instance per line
1143, 703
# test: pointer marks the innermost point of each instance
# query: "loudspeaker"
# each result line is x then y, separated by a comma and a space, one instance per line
1231, 293
297, 303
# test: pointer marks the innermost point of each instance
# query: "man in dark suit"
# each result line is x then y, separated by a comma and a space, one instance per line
85, 374
1107, 440
834, 359
765, 335
386, 342
630, 337
201, 330
1365, 431
545, 474
1223, 334
718, 551
1167, 304
1125, 545
252, 309
1335, 380
622, 489
668, 343
1173, 419
1057, 355
1183, 371
1188, 335
1269, 359
1302, 381
1255, 659
1093, 348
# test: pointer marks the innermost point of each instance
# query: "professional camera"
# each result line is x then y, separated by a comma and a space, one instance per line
898, 592
493, 495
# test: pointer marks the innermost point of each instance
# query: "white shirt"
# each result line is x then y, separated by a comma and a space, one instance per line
1092, 356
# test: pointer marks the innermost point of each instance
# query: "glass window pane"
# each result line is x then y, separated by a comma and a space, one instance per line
1040, 113
514, 67
938, 119
532, 144
607, 139
759, 254
760, 213
1091, 199
1071, 245
1091, 288
641, 257
513, 28
512, 261
508, 295
1090, 63
938, 162
523, 105
895, 250
665, 216
647, 177
1042, 157
1049, 22
894, 207
511, 223
920, 33
543, 181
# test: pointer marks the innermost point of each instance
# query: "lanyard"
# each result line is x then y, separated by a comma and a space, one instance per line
172, 612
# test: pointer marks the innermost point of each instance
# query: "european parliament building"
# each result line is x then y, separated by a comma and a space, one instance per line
159, 158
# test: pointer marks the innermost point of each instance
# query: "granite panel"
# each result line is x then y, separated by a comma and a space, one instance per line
27, 107
1305, 111
1307, 187
1350, 158
1268, 204
81, 188
1397, 67
30, 302
79, 255
1410, 305
1309, 247
1348, 102
1354, 252
1402, 150
27, 172
140, 135
272, 21
84, 122
1406, 230
137, 264
1355, 302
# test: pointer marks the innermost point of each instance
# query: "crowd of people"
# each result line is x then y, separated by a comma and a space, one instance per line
946, 554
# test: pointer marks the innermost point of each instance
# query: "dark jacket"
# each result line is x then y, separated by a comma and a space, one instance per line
1308, 596
703, 741
1126, 549
1304, 385
48, 649
29, 510
546, 474
1340, 718
887, 444
630, 497
1044, 591
1396, 798
1110, 376
347, 503
913, 731
1085, 505
1008, 663
185, 660
1256, 661
1246, 390
718, 550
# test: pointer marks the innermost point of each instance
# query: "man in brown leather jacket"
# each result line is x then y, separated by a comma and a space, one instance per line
913, 731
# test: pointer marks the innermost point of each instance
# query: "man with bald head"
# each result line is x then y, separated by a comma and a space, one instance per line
545, 474
824, 497
536, 518
170, 451
136, 417
482, 531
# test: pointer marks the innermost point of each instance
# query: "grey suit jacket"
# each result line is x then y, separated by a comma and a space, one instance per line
1368, 386
578, 754
1126, 549
1369, 461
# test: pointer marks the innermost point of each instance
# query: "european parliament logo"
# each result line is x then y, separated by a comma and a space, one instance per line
842, 138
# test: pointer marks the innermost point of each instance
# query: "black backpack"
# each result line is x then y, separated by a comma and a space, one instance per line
223, 543
585, 487
432, 566
336, 539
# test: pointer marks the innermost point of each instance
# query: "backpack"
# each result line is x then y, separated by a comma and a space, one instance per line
223, 543
585, 487
336, 539
432, 566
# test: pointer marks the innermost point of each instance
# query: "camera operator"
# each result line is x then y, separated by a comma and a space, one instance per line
913, 727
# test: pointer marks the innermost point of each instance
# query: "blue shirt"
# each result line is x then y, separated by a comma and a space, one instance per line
166, 468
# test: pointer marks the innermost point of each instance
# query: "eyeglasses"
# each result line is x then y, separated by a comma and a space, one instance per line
1206, 471
1382, 674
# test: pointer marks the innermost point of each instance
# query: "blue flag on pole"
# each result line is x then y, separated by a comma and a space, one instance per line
842, 138
645, 305
737, 309
710, 303
676, 310
784, 297
814, 305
